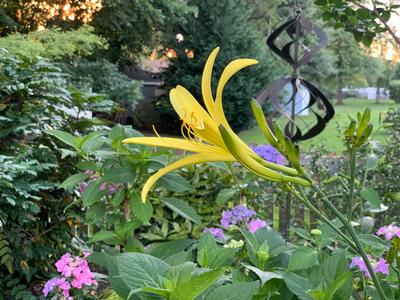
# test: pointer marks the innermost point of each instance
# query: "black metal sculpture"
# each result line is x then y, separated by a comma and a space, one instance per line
297, 53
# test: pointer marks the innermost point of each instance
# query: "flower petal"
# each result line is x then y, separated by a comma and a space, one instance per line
206, 82
185, 161
185, 105
232, 68
173, 143
250, 163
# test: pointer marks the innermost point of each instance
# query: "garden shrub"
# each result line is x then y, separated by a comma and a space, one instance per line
394, 89
103, 77
34, 97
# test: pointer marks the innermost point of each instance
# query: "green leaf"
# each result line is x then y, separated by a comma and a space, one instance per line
103, 235
64, 137
118, 198
182, 208
300, 286
263, 275
175, 183
234, 291
211, 255
166, 249
196, 285
303, 258
122, 174
143, 211
224, 195
138, 270
369, 194
92, 194
73, 180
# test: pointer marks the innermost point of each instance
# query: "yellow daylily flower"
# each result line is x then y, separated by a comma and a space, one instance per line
207, 133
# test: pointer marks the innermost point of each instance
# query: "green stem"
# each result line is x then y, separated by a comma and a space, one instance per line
302, 198
353, 235
352, 157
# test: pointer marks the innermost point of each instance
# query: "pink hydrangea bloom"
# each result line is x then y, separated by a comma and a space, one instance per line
76, 273
256, 224
389, 231
380, 266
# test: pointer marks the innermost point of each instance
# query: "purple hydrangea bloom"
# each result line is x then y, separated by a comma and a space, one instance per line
380, 266
389, 231
238, 215
269, 153
256, 224
215, 232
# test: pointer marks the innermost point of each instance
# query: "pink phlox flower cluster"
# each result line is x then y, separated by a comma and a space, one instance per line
379, 266
112, 188
75, 273
389, 231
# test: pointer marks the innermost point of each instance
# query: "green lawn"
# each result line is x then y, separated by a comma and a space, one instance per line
331, 137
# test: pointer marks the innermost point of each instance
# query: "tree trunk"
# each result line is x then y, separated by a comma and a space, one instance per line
339, 95
378, 91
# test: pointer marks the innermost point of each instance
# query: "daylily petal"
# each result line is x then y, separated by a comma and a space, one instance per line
173, 143
206, 82
253, 165
232, 68
185, 161
191, 112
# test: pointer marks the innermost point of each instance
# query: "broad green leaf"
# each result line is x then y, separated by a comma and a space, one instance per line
224, 195
211, 255
302, 233
303, 258
263, 275
103, 235
118, 198
142, 211
369, 194
234, 291
192, 288
176, 275
299, 285
175, 183
138, 270
64, 137
166, 249
182, 208
73, 180
123, 174
92, 194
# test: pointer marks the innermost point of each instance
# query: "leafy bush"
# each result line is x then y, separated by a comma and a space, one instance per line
34, 96
103, 77
54, 43
394, 88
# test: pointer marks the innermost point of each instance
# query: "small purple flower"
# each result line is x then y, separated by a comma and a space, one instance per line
256, 224
389, 231
215, 232
269, 153
226, 219
238, 215
380, 266
50, 285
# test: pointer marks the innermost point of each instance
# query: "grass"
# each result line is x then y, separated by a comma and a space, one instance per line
331, 137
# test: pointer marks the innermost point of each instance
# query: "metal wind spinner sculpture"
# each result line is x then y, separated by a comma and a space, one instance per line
304, 96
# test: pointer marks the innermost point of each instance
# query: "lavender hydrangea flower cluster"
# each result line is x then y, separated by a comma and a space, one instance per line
389, 231
239, 215
75, 273
269, 153
380, 266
